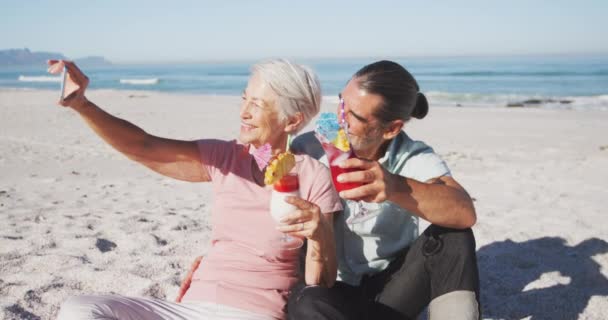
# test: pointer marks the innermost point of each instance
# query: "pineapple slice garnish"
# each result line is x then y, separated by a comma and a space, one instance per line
341, 141
279, 167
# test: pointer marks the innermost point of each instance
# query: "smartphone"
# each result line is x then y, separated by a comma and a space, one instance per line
64, 76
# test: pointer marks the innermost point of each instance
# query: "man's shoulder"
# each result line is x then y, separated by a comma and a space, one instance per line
310, 166
307, 143
404, 148
416, 159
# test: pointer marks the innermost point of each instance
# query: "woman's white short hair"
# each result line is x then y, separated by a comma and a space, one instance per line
296, 85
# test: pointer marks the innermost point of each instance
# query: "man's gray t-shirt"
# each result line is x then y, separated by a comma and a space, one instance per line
369, 246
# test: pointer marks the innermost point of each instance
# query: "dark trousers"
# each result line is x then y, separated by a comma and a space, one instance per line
440, 261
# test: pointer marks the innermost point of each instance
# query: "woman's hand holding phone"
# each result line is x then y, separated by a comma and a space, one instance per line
74, 82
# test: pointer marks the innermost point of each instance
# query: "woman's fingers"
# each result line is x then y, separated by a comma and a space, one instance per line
300, 230
55, 66
297, 217
75, 85
70, 90
295, 227
305, 212
303, 222
75, 73
299, 203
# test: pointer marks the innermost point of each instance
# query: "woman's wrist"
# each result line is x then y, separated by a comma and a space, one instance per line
318, 246
322, 231
80, 104
315, 251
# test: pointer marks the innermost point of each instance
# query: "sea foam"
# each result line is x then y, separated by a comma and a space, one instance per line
149, 81
39, 79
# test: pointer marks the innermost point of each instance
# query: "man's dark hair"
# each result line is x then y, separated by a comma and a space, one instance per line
398, 89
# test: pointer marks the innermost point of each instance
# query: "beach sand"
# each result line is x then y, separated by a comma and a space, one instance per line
77, 217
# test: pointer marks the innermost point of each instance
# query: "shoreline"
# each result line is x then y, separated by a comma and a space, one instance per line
555, 103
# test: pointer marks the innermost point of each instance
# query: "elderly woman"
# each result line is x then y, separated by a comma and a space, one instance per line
243, 275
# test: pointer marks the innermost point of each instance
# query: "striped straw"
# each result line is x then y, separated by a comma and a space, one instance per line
342, 115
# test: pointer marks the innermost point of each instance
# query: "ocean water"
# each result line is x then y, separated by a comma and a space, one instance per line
576, 82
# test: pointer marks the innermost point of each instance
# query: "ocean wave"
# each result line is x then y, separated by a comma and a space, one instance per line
483, 73
517, 100
229, 73
38, 79
150, 81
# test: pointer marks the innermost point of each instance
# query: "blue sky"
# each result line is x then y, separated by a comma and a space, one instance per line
147, 31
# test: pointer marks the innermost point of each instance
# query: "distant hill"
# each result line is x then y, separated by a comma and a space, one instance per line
92, 61
25, 57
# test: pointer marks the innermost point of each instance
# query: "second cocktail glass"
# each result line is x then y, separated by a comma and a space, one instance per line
334, 141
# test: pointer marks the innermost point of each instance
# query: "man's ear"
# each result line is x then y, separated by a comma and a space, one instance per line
294, 122
393, 129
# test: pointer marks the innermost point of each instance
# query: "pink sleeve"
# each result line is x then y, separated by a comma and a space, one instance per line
215, 154
322, 191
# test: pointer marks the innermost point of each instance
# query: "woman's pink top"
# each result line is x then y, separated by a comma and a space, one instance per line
243, 268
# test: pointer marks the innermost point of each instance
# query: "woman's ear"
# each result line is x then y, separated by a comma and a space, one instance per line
294, 122
393, 129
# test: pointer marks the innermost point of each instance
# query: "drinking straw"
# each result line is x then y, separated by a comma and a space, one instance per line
342, 115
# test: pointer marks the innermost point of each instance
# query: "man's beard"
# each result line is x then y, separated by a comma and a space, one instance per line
363, 145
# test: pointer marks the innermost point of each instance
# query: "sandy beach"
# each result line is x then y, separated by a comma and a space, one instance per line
77, 217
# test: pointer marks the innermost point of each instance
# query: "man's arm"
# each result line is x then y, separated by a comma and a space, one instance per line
441, 201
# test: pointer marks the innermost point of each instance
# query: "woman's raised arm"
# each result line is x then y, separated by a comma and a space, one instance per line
173, 158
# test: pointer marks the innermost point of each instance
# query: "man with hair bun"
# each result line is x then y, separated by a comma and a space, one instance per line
386, 269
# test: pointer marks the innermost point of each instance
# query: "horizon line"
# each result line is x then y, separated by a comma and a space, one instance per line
355, 57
